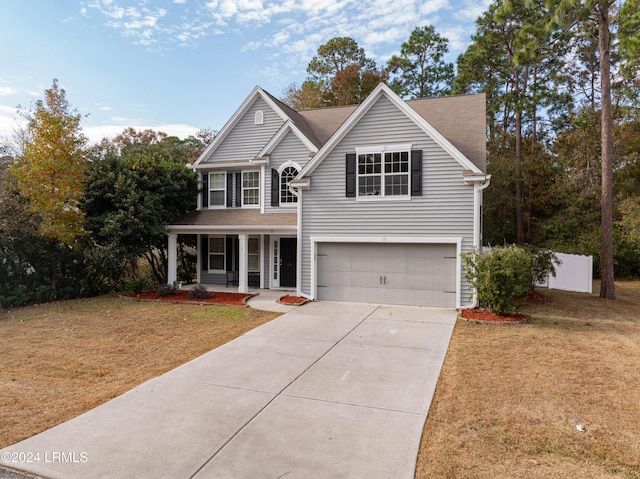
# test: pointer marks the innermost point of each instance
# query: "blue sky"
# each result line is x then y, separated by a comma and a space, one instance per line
182, 65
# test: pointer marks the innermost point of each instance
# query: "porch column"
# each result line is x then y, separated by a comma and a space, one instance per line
172, 273
243, 273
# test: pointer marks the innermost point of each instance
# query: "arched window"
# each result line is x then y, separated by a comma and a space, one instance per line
288, 174
259, 117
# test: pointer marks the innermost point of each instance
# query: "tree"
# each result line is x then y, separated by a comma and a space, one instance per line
420, 68
133, 192
51, 170
352, 85
516, 73
336, 55
564, 15
340, 74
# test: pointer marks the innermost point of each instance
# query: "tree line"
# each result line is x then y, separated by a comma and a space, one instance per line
563, 147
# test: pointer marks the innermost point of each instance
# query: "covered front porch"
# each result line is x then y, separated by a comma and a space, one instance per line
239, 249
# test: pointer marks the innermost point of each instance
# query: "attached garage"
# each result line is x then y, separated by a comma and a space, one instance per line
389, 273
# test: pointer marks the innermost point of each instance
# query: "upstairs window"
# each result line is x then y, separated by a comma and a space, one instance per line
386, 171
383, 174
287, 175
250, 188
217, 189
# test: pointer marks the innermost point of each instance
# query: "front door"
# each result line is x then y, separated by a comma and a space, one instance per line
288, 258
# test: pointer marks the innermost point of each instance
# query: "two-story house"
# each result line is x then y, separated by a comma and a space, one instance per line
366, 203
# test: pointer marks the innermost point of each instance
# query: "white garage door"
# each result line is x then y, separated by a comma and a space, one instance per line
415, 274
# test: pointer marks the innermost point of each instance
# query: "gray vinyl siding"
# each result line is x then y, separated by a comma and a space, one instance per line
445, 208
289, 149
246, 139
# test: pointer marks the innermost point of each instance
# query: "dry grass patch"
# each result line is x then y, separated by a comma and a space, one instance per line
510, 397
61, 359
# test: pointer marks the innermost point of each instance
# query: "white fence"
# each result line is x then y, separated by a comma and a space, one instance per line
574, 274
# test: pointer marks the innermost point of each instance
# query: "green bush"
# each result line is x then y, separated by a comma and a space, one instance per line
499, 276
544, 264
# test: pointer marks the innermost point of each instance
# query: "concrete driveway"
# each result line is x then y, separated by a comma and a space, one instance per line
329, 390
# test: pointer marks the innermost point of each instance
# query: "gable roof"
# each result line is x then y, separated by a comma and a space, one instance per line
461, 119
457, 123
416, 114
237, 116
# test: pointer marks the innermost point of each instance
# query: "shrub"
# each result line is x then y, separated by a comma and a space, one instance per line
544, 264
166, 290
499, 276
199, 292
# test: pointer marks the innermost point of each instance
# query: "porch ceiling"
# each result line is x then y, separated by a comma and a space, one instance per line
234, 219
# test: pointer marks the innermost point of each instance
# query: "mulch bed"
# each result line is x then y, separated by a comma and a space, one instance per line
292, 300
227, 299
483, 316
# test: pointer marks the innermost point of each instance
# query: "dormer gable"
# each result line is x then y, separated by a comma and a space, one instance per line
247, 133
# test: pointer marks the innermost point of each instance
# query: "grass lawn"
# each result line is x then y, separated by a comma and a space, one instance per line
59, 360
510, 396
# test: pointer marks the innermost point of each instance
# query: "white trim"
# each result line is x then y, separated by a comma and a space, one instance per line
289, 126
287, 164
231, 229
363, 150
283, 166
261, 192
224, 254
224, 196
314, 240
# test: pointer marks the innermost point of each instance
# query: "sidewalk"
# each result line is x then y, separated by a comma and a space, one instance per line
328, 390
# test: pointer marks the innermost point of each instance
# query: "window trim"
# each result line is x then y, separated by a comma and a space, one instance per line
243, 189
223, 254
383, 150
294, 198
211, 189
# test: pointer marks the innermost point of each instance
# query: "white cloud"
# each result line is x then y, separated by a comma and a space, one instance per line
7, 90
297, 27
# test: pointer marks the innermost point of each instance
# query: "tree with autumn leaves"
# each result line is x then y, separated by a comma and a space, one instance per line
50, 172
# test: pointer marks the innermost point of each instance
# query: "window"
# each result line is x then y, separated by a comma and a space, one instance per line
383, 174
286, 196
217, 182
253, 253
217, 253
259, 117
250, 188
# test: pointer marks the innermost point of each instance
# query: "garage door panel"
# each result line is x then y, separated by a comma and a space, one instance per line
439, 282
392, 273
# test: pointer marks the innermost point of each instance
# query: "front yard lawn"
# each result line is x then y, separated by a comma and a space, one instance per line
59, 360
510, 397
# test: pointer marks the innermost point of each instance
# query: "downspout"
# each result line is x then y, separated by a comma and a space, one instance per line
298, 195
478, 186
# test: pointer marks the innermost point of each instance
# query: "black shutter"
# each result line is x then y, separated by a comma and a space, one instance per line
238, 190
229, 253
205, 190
204, 255
229, 190
351, 175
275, 187
416, 172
